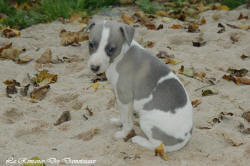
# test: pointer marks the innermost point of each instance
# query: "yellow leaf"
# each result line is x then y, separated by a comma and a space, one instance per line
172, 61
223, 7
203, 21
44, 77
95, 86
160, 150
127, 19
161, 13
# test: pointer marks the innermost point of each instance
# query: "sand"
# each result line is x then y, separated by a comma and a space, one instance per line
27, 129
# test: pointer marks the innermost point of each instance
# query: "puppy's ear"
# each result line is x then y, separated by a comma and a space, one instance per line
90, 25
128, 33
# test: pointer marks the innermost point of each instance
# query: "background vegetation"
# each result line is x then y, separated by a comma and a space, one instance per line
24, 13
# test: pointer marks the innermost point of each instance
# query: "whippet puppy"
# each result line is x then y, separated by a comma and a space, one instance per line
142, 83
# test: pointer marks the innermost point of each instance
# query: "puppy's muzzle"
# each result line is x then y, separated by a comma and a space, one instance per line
94, 68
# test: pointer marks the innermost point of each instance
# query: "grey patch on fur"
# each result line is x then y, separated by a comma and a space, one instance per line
166, 139
167, 96
116, 39
191, 131
139, 73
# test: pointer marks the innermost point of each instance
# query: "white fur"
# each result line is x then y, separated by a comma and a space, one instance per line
99, 58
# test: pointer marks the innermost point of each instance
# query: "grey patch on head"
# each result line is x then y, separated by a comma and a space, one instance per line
186, 134
95, 34
139, 73
167, 96
166, 139
128, 33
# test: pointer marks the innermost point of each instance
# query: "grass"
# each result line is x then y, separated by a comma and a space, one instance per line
13, 14
46, 10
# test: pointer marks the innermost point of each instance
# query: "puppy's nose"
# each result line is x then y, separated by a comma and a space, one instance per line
94, 68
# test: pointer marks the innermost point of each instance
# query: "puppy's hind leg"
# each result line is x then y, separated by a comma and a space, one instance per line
149, 143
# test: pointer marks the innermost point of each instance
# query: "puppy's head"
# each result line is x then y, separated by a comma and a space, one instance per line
107, 39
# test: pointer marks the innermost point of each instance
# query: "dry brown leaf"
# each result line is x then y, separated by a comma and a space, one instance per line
244, 27
246, 115
203, 20
44, 77
195, 103
242, 80
177, 26
45, 57
160, 27
8, 32
149, 44
72, 38
89, 111
40, 93
130, 135
199, 75
63, 118
242, 17
11, 87
6, 46
24, 90
161, 13
160, 150
223, 29
203, 127
24, 60
86, 136
193, 27
11, 53
232, 141
144, 20
127, 19
238, 73
244, 57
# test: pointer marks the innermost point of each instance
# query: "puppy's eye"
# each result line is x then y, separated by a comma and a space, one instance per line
110, 49
91, 45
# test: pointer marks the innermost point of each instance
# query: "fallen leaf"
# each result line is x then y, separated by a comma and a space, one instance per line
63, 118
202, 127
161, 13
160, 150
99, 77
5, 46
127, 19
244, 57
223, 7
203, 20
11, 53
215, 17
166, 20
8, 32
130, 135
193, 27
220, 117
244, 27
232, 141
246, 115
89, 111
238, 73
144, 20
242, 17
72, 38
86, 136
74, 17
189, 72
45, 57
243, 129
199, 75
164, 54
24, 60
160, 27
177, 26
24, 90
151, 26
172, 61
207, 92
234, 37
94, 86
223, 29
195, 103
44, 77
149, 44
39, 93
34, 161
198, 44
242, 80
11, 87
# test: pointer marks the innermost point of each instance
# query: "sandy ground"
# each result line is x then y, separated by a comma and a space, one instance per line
27, 130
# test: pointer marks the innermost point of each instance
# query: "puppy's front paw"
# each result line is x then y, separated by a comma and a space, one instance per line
120, 135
